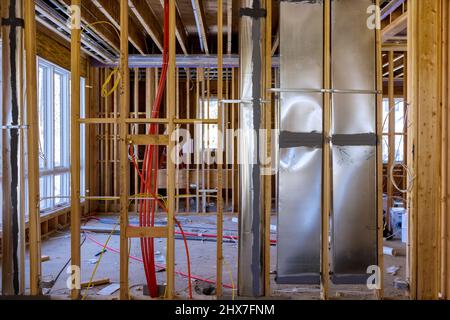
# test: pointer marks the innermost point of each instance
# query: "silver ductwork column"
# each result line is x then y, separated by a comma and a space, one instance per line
13, 224
250, 268
352, 144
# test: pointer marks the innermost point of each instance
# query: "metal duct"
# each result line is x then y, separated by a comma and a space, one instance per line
12, 29
250, 273
301, 138
353, 142
354, 207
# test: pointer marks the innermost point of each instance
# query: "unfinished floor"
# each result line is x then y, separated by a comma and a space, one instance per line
203, 257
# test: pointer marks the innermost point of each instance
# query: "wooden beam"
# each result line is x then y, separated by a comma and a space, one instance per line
146, 232
171, 91
112, 11
144, 140
200, 20
276, 43
123, 132
229, 26
75, 215
181, 34
148, 21
89, 15
33, 149
219, 269
268, 127
395, 27
391, 134
327, 114
425, 145
379, 127
56, 50
445, 246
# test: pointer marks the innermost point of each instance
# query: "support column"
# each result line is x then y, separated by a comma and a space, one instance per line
123, 149
33, 148
219, 148
75, 214
427, 48
251, 222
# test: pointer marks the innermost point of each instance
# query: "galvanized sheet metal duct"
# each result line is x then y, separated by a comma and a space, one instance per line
300, 170
354, 192
12, 244
250, 268
354, 207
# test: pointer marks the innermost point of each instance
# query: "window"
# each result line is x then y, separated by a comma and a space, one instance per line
54, 135
209, 110
400, 128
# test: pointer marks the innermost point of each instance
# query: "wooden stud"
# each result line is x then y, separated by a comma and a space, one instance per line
425, 98
107, 149
326, 205
197, 153
177, 115
116, 143
391, 135
268, 126
136, 131
124, 166
75, 215
171, 81
219, 147
33, 149
379, 113
188, 115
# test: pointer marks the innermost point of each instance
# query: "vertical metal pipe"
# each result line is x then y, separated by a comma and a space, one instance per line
250, 269
12, 28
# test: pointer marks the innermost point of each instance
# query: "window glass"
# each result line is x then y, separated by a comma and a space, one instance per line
54, 135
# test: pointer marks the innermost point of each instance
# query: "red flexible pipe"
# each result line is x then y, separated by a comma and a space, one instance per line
147, 208
160, 266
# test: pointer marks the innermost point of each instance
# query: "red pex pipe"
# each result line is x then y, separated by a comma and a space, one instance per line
160, 266
147, 208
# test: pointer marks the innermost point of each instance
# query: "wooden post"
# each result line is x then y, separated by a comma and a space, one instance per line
219, 147
33, 149
188, 115
425, 99
326, 205
445, 246
124, 165
75, 215
136, 131
171, 91
268, 125
391, 135
379, 113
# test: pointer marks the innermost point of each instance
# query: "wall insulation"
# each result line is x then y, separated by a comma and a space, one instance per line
353, 143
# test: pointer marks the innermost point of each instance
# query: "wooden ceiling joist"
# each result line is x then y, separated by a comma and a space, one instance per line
200, 20
89, 15
148, 20
111, 10
181, 34
395, 27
